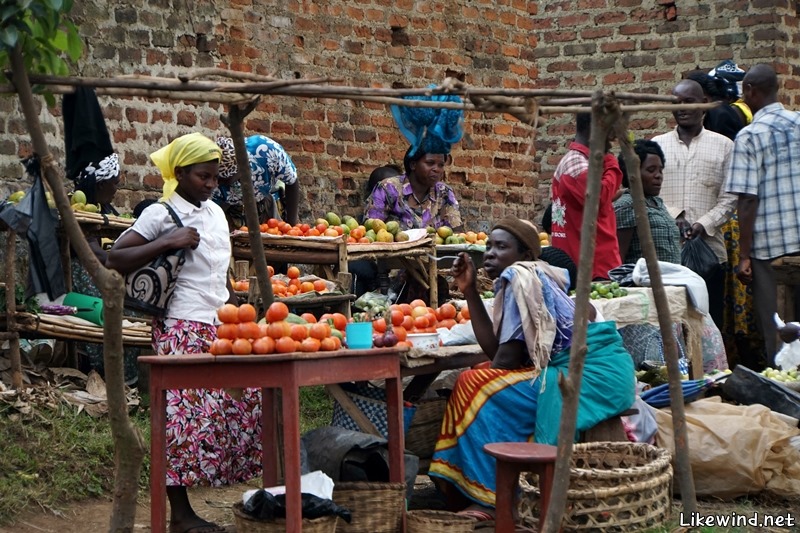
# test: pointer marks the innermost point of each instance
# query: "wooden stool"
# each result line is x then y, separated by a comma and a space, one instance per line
514, 458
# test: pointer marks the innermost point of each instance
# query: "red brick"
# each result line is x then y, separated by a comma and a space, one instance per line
187, 118
617, 79
619, 46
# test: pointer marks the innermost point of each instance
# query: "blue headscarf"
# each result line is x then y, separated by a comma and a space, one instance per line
430, 130
730, 73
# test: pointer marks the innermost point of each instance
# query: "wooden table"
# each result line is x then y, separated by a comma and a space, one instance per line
428, 365
639, 307
287, 372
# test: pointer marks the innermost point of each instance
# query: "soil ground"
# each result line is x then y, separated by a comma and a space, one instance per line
215, 504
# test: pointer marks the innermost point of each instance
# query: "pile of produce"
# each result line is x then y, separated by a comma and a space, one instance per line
331, 225
605, 290
445, 235
278, 332
77, 203
790, 377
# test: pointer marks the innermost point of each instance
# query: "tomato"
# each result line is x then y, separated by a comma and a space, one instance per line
293, 272
310, 345
406, 309
228, 314
397, 317
420, 310
221, 347
249, 330
270, 270
320, 285
339, 321
320, 331
447, 311
418, 303
279, 329
228, 331
308, 317
408, 322
277, 311
285, 345
247, 313
328, 344
379, 325
421, 322
400, 332
307, 286
264, 346
298, 332
242, 347
273, 222
465, 313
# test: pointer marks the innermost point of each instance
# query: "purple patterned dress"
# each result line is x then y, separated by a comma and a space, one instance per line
389, 201
212, 438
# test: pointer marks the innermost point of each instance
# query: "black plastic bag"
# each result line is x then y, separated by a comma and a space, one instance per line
264, 506
748, 387
698, 257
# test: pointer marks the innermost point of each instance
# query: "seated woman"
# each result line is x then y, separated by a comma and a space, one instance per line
270, 168
666, 235
530, 330
213, 438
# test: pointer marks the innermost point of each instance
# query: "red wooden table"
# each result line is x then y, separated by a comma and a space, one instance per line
287, 372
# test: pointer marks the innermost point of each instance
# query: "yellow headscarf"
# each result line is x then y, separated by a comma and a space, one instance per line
183, 151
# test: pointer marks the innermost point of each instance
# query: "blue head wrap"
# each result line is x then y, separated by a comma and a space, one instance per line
430, 130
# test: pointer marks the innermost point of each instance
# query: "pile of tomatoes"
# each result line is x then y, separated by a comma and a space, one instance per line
273, 226
282, 288
417, 317
240, 334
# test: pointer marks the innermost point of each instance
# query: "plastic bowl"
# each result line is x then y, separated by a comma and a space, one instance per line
424, 341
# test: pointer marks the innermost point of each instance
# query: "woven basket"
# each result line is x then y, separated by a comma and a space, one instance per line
426, 521
247, 524
425, 427
376, 507
614, 486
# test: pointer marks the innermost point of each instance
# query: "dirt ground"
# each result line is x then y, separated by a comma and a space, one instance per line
215, 505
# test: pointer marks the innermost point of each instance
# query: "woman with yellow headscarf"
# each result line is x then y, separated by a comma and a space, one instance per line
212, 438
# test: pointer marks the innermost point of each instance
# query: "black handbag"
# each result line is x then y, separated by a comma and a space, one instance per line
149, 288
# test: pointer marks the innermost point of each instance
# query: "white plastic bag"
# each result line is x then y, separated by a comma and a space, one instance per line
788, 357
317, 483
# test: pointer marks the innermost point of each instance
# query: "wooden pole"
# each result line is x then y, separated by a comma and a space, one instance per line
683, 464
11, 311
129, 446
236, 116
605, 111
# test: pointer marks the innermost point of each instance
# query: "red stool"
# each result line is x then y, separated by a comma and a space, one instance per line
514, 458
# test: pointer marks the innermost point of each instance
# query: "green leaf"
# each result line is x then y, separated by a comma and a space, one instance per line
50, 99
54, 4
9, 11
74, 43
9, 36
60, 41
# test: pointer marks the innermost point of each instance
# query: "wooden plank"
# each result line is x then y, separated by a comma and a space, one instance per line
361, 420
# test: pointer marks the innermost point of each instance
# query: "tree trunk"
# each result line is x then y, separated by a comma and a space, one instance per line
129, 447
682, 463
11, 310
605, 111
234, 122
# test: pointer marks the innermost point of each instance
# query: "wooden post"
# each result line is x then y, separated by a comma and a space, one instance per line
605, 111
683, 465
234, 120
11, 311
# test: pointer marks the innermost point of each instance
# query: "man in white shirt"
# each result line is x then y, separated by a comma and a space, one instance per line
696, 165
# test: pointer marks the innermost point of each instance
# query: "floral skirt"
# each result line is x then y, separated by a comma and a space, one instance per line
212, 438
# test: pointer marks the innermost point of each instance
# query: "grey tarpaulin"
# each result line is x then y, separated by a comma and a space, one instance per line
33, 218
347, 455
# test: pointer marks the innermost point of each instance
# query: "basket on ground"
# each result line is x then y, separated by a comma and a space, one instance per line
425, 427
427, 521
614, 486
376, 507
247, 524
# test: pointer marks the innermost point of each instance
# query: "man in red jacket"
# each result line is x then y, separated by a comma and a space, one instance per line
568, 194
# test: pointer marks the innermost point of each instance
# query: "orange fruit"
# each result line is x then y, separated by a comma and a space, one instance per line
228, 314
339, 321
249, 330
247, 313
320, 331
264, 346
228, 331
308, 317
279, 329
221, 347
242, 347
277, 311
293, 272
298, 332
320, 285
310, 345
307, 286
285, 345
447, 311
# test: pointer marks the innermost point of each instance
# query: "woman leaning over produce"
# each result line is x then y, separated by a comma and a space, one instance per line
212, 438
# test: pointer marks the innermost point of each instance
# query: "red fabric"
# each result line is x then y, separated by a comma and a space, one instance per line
568, 192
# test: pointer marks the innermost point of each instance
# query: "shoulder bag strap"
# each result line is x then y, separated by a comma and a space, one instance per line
173, 214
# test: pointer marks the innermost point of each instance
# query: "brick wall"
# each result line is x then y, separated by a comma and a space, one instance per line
620, 44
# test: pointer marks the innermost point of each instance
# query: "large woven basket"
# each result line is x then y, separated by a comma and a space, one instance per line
376, 507
614, 486
425, 427
426, 521
247, 524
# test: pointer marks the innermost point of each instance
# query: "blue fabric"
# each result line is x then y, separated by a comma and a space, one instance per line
607, 388
430, 129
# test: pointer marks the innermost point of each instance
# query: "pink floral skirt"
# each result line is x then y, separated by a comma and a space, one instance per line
212, 438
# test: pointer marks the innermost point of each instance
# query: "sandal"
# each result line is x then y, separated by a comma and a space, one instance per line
483, 519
